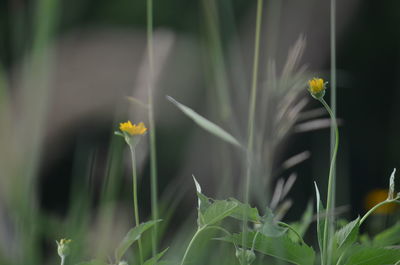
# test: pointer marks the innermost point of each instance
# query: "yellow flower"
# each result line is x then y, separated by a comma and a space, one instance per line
133, 129
376, 196
316, 87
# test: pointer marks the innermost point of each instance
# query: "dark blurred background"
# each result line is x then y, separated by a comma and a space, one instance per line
98, 48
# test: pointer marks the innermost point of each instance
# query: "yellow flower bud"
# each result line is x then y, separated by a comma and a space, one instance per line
133, 129
316, 87
63, 247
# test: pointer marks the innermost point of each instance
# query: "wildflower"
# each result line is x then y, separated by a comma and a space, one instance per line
376, 196
63, 247
316, 87
133, 129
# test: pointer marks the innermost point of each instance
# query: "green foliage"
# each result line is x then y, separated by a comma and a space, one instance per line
154, 260
347, 235
320, 221
389, 237
133, 235
92, 262
373, 256
281, 247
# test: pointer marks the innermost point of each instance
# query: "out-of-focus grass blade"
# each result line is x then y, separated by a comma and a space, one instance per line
205, 124
138, 102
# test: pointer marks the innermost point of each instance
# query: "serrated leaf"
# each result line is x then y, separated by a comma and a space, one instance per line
279, 247
245, 209
205, 124
388, 237
374, 256
132, 236
92, 262
154, 260
348, 234
217, 211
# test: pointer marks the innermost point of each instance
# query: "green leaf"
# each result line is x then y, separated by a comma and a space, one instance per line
217, 211
320, 221
154, 260
374, 256
269, 226
348, 234
203, 202
132, 236
388, 237
279, 247
92, 262
205, 124
245, 209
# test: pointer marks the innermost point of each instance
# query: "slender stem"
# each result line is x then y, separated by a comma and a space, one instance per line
191, 243
293, 230
333, 103
376, 207
252, 110
152, 127
62, 260
331, 179
135, 200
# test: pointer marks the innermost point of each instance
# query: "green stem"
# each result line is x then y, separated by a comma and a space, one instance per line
252, 110
191, 243
152, 127
331, 180
293, 230
376, 207
62, 260
135, 200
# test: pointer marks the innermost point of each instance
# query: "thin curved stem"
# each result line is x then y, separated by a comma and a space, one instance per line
331, 180
135, 200
293, 230
376, 207
191, 243
62, 260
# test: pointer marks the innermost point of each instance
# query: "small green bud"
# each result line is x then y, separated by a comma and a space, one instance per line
248, 256
63, 247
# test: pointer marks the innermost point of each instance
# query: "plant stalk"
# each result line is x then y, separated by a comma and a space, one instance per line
251, 118
199, 230
152, 127
376, 207
135, 200
330, 196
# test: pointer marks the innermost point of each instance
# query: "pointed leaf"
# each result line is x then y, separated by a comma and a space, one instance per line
154, 260
217, 211
320, 221
130, 238
348, 234
245, 209
391, 186
279, 247
205, 124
